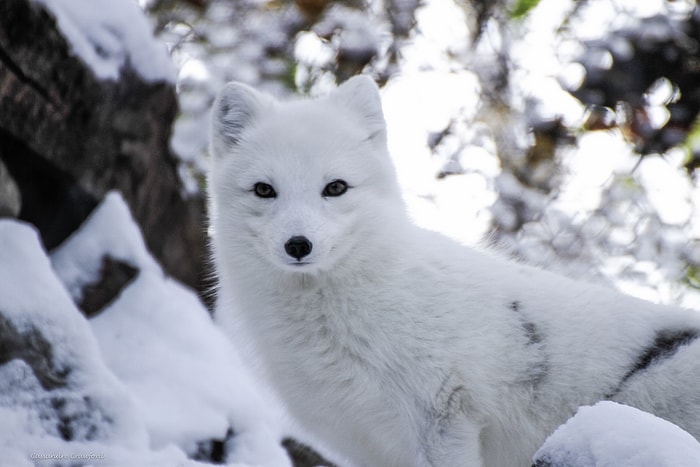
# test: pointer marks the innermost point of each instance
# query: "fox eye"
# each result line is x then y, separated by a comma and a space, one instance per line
335, 188
264, 190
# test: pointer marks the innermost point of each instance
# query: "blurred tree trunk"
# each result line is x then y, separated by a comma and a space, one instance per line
67, 138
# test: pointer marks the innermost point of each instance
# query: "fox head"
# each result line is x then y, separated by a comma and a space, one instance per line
302, 186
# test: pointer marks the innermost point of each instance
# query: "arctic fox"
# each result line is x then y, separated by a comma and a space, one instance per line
397, 346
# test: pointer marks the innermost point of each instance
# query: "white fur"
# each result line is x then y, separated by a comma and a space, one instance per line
394, 345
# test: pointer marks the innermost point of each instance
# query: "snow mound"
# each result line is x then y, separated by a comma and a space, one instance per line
614, 435
110, 34
149, 381
59, 403
158, 338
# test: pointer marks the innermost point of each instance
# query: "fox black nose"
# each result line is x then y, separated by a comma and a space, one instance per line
298, 247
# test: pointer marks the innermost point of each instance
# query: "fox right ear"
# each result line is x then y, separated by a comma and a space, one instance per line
361, 94
235, 108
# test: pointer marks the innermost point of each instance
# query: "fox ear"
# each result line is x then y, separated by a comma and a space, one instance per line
235, 108
361, 95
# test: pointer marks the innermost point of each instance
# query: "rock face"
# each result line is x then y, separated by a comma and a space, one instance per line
67, 138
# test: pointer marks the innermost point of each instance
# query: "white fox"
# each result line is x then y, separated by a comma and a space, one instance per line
397, 346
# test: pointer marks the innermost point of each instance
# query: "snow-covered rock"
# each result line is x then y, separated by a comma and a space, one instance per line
157, 337
614, 435
58, 400
109, 35
148, 381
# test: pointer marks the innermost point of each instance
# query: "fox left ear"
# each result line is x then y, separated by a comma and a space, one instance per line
361, 95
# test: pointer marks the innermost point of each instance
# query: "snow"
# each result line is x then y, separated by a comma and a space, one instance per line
160, 378
159, 339
188, 383
614, 435
98, 409
78, 260
34, 300
111, 34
